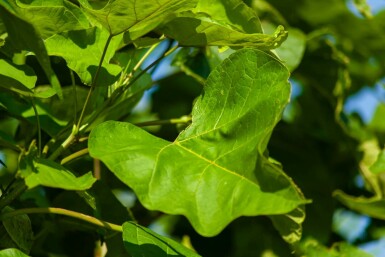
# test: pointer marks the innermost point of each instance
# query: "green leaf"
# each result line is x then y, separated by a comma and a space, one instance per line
201, 30
217, 169
142, 242
12, 253
291, 51
29, 40
290, 225
51, 174
364, 8
373, 206
19, 230
312, 248
82, 51
51, 17
231, 13
138, 17
17, 78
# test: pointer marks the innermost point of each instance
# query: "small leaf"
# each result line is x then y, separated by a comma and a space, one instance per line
142, 242
29, 40
138, 17
216, 170
82, 50
17, 78
51, 174
11, 252
312, 248
20, 230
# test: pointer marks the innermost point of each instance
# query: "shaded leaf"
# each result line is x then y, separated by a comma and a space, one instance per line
290, 225
138, 17
82, 50
51, 17
216, 170
142, 242
19, 229
29, 40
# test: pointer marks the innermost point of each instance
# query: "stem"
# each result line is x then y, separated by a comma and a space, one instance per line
64, 212
62, 147
75, 95
38, 127
74, 156
182, 120
93, 83
120, 90
18, 189
144, 57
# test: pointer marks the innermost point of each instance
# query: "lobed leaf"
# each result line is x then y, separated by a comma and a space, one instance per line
217, 169
142, 242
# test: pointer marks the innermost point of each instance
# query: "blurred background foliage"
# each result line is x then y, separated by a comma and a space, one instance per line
330, 141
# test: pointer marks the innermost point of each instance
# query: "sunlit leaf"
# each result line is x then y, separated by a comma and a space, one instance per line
17, 78
138, 17
11, 252
216, 170
142, 242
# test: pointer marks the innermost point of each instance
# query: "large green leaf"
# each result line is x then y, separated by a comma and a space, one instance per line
142, 242
82, 50
51, 17
138, 17
29, 40
217, 169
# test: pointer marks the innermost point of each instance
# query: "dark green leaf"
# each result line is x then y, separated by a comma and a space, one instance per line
216, 170
29, 40
138, 17
20, 230
142, 242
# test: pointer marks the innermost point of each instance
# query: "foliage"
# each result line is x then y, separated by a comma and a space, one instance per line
244, 146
